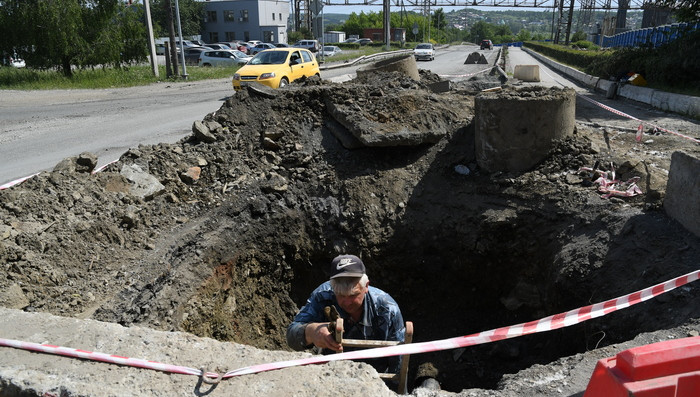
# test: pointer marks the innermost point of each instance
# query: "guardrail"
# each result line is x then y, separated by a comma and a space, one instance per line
366, 58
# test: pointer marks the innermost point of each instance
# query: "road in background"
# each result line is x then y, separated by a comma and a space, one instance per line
40, 128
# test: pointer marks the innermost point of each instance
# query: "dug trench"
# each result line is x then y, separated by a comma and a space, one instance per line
225, 233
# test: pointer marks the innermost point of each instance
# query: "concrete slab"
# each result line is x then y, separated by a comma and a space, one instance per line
682, 201
25, 373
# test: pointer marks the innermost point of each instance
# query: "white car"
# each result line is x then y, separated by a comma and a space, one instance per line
223, 58
424, 51
330, 50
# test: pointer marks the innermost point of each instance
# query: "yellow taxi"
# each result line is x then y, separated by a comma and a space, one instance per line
277, 67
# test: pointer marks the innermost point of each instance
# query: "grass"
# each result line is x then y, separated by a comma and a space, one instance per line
32, 79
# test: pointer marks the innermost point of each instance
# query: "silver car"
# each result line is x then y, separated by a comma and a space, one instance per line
223, 58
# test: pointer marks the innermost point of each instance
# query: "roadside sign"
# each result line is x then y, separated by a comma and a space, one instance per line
415, 27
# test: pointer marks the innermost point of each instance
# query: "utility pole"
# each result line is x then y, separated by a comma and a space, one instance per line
387, 25
171, 33
182, 42
151, 41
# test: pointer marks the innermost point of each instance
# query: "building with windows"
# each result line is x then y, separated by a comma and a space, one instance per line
244, 20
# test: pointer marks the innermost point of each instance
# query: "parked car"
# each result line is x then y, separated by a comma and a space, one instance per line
277, 67
192, 54
219, 46
330, 50
424, 51
486, 44
281, 45
223, 58
364, 41
351, 40
14, 61
261, 47
253, 43
311, 45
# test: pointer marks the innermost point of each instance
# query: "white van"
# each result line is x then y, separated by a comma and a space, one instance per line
311, 45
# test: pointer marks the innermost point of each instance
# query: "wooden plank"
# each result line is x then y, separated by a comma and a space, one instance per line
368, 343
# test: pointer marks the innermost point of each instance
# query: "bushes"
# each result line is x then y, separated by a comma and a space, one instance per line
674, 65
577, 58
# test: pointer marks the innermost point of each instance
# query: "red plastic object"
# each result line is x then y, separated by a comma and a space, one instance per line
664, 369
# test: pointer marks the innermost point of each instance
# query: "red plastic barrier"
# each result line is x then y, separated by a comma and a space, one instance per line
664, 369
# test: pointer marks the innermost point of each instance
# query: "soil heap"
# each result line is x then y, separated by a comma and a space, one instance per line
225, 233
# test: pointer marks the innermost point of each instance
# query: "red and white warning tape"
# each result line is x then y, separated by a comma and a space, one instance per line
639, 134
20, 180
465, 75
557, 321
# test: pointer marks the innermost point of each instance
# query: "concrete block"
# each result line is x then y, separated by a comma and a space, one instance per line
682, 201
527, 72
639, 94
684, 104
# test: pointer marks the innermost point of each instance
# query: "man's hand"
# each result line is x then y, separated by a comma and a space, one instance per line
318, 335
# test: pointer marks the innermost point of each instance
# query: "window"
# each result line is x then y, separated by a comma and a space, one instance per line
213, 37
244, 16
246, 35
273, 16
211, 16
229, 16
280, 16
306, 55
230, 36
268, 36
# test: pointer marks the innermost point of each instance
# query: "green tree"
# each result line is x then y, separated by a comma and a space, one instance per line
684, 10
191, 17
523, 35
482, 30
65, 34
578, 36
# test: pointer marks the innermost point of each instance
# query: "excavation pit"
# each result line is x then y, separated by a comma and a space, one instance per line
232, 255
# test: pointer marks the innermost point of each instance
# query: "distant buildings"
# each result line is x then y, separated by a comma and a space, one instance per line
230, 20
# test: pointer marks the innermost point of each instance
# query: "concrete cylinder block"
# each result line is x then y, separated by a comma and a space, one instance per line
516, 128
405, 64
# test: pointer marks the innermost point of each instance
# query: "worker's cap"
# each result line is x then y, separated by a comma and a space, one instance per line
347, 266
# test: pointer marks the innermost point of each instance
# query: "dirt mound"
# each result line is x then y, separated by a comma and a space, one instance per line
225, 233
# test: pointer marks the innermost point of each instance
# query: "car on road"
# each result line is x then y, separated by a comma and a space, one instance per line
424, 51
330, 50
223, 58
364, 41
311, 45
277, 67
351, 40
261, 47
486, 44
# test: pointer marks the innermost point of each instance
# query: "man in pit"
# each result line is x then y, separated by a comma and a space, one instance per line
367, 313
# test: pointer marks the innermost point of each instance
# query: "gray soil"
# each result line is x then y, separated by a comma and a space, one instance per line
226, 232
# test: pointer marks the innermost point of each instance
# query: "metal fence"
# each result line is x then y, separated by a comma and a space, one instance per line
653, 37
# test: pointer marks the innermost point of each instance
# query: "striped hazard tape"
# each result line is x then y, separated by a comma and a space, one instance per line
465, 75
639, 133
20, 180
550, 323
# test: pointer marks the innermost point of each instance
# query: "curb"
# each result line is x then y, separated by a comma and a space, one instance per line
666, 101
364, 58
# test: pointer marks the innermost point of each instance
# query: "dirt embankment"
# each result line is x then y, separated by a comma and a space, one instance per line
225, 233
